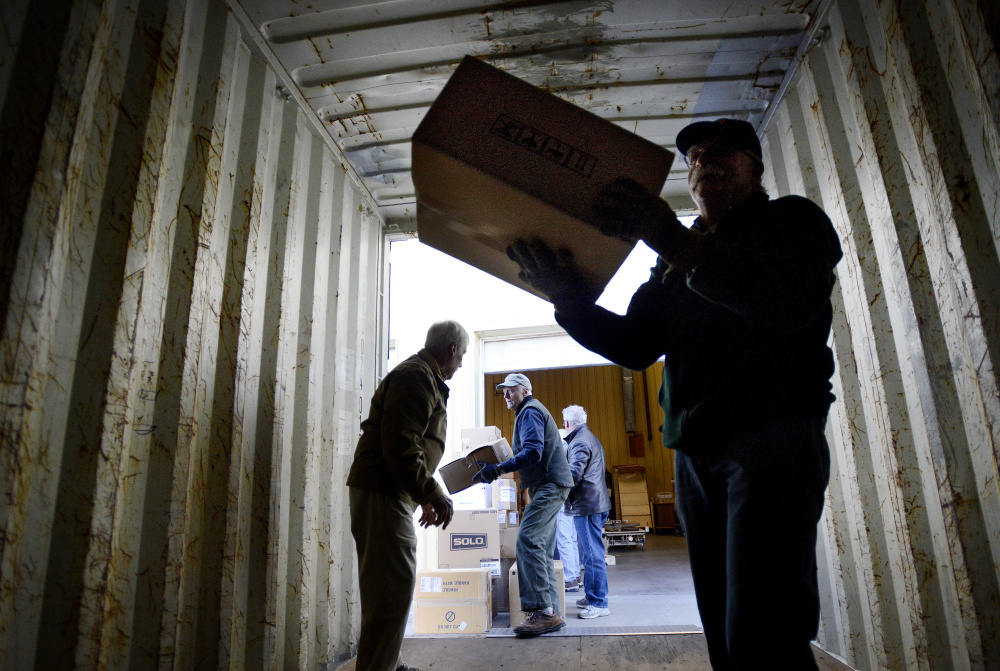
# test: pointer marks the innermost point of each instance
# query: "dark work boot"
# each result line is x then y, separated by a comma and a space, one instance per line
539, 623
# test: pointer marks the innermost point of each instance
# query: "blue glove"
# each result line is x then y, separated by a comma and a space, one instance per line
487, 472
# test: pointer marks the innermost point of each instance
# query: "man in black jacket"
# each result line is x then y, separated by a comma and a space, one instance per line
739, 306
588, 504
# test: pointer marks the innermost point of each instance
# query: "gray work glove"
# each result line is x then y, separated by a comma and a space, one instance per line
627, 211
555, 274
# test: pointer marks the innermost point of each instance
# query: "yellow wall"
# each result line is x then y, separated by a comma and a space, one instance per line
599, 390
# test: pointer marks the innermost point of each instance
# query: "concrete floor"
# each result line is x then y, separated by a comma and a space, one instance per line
654, 624
649, 591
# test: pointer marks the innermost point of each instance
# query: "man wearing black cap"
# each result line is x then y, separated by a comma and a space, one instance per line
739, 307
544, 470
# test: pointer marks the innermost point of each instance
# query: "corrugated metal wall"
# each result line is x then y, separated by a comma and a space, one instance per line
191, 304
893, 128
599, 390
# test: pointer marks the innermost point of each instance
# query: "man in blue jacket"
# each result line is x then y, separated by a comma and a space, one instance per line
588, 503
544, 471
739, 307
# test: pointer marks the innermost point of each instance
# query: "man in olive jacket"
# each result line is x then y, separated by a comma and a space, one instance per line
544, 471
588, 504
393, 471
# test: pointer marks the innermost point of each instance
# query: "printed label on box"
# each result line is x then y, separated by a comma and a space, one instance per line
536, 141
462, 626
431, 585
513, 518
493, 566
474, 541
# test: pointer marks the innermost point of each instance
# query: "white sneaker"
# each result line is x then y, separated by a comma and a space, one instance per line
590, 612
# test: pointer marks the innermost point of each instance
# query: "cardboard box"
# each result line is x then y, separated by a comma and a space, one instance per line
473, 438
472, 540
453, 601
473, 616
516, 615
496, 159
504, 494
631, 497
476, 497
452, 584
508, 542
457, 475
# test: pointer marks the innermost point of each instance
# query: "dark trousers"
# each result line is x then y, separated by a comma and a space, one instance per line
749, 511
382, 527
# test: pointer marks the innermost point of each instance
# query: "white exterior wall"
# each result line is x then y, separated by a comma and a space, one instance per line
891, 127
191, 338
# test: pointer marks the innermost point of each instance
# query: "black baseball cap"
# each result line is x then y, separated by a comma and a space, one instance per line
737, 132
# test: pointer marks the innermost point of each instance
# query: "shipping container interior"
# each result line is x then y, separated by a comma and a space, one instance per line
196, 198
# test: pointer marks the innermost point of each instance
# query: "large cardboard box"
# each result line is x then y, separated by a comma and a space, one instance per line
477, 437
516, 615
453, 601
496, 159
472, 540
452, 584
457, 475
472, 616
631, 497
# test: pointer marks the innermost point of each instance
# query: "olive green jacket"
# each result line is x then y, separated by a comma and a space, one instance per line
403, 438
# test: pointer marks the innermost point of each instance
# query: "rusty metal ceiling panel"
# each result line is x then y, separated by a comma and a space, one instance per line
369, 72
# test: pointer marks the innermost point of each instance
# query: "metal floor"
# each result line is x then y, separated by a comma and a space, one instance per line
649, 592
654, 624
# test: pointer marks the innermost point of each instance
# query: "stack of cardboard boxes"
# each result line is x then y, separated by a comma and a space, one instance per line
631, 497
481, 537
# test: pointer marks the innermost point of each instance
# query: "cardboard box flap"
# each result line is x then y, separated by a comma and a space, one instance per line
457, 475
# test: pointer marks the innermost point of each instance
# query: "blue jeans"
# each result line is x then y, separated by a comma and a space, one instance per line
749, 512
535, 542
589, 529
566, 544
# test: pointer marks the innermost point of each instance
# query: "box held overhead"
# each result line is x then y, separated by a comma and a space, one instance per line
497, 159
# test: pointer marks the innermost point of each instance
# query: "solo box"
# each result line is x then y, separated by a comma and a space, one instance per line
497, 159
472, 540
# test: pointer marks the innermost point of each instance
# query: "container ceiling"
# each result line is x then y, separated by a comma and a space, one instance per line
369, 72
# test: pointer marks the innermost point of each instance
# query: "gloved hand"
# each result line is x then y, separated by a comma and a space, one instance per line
555, 274
629, 212
487, 472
